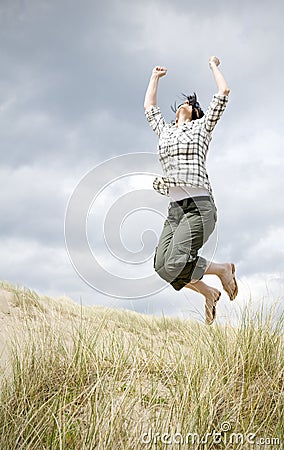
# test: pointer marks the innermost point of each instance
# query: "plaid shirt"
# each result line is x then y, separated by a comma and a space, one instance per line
182, 150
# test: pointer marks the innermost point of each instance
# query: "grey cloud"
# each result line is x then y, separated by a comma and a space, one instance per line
32, 206
74, 58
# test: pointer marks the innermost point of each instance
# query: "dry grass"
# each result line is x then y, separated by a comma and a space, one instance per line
95, 378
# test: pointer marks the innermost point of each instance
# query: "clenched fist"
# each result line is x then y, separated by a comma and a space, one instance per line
159, 71
213, 60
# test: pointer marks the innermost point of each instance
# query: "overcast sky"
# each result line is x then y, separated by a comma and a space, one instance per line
72, 126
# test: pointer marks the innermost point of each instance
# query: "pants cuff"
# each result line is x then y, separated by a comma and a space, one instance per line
196, 273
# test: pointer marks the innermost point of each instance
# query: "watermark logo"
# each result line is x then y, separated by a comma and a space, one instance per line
221, 436
225, 426
112, 225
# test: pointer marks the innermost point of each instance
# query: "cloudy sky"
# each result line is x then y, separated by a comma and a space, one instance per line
75, 144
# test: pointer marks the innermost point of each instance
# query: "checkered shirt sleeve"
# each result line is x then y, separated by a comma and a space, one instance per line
156, 120
214, 111
182, 150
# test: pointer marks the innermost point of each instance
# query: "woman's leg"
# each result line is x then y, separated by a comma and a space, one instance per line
211, 296
182, 263
163, 244
226, 273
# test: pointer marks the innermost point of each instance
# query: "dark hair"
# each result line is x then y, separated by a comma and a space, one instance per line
197, 112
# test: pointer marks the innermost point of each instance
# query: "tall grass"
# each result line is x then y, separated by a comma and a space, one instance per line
95, 378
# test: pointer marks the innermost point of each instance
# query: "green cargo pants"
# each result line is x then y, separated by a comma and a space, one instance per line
188, 226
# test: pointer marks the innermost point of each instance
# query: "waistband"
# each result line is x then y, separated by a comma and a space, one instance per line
187, 201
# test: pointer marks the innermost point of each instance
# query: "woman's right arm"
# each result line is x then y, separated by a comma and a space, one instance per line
151, 93
219, 101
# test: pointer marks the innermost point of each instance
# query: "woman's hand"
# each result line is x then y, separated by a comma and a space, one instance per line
214, 61
151, 93
159, 71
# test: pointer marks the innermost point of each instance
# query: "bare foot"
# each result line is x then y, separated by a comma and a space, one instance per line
211, 295
228, 280
210, 305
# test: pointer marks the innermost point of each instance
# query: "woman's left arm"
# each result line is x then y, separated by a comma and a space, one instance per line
223, 88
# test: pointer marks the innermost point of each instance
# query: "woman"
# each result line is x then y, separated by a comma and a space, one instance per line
192, 213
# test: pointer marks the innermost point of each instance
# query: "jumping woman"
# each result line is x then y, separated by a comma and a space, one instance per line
192, 214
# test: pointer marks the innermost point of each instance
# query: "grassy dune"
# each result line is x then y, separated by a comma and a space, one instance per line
95, 378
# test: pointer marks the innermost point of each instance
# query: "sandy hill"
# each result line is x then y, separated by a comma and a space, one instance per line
77, 377
22, 308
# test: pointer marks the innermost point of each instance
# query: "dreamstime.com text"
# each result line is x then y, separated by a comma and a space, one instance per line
223, 436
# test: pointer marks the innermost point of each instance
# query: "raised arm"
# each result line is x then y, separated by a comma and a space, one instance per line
222, 85
151, 93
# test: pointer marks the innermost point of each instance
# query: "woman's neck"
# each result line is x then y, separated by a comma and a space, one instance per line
182, 118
